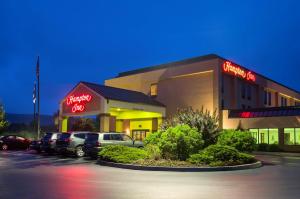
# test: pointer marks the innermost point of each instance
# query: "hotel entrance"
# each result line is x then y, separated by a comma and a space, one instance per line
139, 135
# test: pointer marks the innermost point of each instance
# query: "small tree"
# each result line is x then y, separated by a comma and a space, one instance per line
3, 122
206, 123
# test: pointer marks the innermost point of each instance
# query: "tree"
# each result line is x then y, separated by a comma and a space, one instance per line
206, 123
3, 122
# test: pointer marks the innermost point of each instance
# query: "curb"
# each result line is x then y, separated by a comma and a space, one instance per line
281, 154
180, 169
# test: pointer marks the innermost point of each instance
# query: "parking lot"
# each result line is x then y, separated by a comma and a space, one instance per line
29, 175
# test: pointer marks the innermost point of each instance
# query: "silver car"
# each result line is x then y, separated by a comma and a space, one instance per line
94, 142
48, 142
71, 142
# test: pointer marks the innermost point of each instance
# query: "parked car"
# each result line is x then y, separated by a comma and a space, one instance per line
71, 142
94, 142
48, 142
35, 145
14, 142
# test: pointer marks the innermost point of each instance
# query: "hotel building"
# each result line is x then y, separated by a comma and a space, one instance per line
136, 102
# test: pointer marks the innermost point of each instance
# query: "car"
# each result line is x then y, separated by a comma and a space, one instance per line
95, 141
71, 143
9, 142
35, 145
48, 142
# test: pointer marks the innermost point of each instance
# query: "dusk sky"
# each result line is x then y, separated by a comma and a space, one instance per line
95, 40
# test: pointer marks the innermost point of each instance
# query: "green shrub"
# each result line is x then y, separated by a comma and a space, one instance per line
273, 148
153, 151
177, 143
241, 140
122, 154
218, 155
262, 147
202, 120
268, 147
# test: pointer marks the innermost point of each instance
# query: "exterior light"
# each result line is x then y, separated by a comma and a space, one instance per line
118, 109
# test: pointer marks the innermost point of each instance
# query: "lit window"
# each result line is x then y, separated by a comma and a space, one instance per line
289, 136
267, 136
153, 90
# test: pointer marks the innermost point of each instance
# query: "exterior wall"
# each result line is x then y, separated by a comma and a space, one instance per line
232, 87
195, 85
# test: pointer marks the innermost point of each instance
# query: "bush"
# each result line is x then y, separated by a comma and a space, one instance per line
122, 154
217, 155
262, 147
268, 147
241, 140
153, 151
177, 143
202, 120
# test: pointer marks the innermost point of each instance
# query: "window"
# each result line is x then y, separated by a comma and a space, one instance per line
243, 106
80, 135
153, 90
126, 138
243, 92
267, 136
116, 136
106, 137
283, 101
267, 98
292, 136
249, 92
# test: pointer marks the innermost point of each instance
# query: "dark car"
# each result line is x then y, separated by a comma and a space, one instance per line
48, 142
35, 145
71, 143
14, 142
94, 142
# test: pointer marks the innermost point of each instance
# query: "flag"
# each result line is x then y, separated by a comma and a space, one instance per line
34, 93
38, 67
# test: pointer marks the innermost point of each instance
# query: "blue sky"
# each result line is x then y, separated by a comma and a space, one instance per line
95, 40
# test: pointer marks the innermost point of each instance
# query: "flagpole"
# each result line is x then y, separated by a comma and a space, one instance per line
34, 108
38, 97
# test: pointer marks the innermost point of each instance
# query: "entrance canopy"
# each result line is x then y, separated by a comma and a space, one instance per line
119, 109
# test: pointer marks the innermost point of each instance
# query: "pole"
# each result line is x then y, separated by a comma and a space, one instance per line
38, 98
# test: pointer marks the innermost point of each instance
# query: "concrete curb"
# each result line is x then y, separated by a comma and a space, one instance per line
281, 154
180, 169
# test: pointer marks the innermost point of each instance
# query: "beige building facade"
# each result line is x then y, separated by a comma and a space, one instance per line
243, 99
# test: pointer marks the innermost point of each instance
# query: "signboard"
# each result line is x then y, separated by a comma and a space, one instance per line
237, 71
78, 102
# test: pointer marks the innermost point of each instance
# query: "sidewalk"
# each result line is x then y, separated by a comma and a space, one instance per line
282, 154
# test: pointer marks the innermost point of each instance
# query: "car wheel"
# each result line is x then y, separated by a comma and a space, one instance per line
4, 147
79, 151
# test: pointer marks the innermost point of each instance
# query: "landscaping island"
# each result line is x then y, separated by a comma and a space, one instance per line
190, 141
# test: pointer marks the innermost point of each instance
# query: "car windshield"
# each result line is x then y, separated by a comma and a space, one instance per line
92, 136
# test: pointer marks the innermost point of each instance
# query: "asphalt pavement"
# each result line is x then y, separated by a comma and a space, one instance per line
27, 175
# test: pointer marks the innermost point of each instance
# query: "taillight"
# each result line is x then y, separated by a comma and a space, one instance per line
68, 140
98, 143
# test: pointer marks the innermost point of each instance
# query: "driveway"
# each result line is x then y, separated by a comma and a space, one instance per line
28, 175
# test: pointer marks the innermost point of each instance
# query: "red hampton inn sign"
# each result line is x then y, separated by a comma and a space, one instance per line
237, 71
78, 102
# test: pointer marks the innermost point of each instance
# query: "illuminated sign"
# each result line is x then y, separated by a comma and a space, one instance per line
78, 102
237, 71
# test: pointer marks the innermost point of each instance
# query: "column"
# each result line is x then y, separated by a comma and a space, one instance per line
104, 122
63, 124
